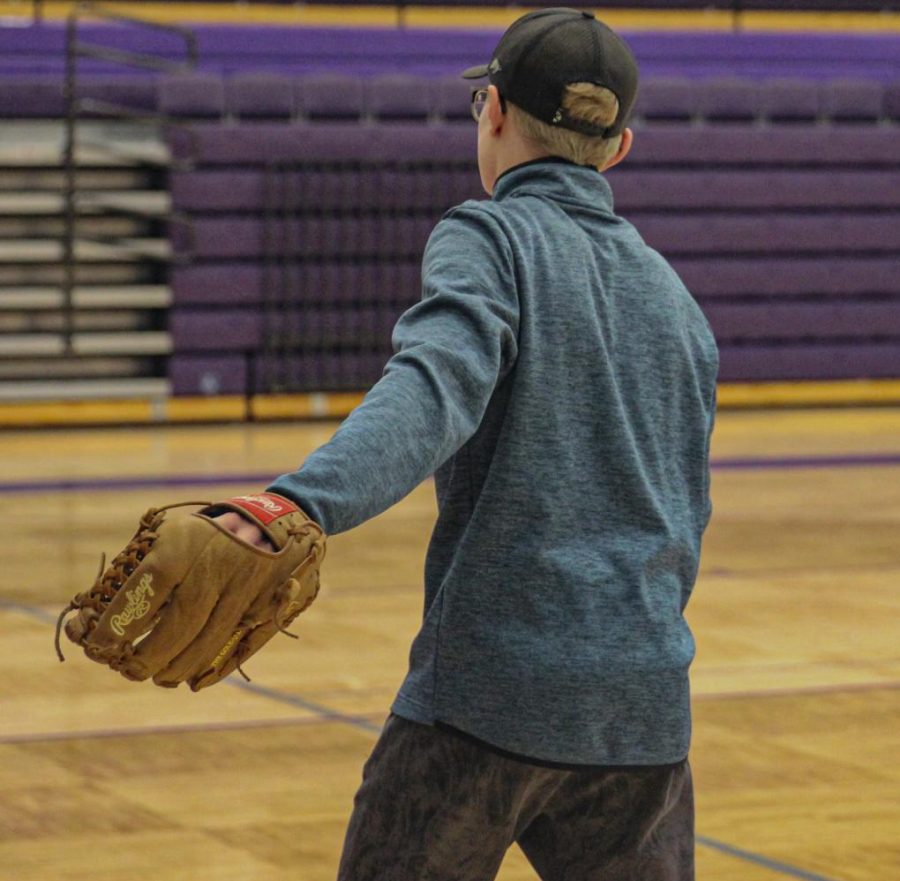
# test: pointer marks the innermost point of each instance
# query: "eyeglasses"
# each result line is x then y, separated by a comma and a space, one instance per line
479, 99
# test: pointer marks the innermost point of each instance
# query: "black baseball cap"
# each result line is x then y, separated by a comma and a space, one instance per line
543, 52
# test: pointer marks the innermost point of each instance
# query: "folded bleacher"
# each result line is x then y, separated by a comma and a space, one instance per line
777, 201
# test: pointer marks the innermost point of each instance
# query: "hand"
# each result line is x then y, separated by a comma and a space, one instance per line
243, 529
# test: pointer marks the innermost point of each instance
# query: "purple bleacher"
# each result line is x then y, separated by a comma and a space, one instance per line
790, 99
813, 360
244, 237
852, 100
734, 322
363, 51
453, 98
135, 92
652, 191
33, 97
667, 99
196, 95
788, 145
42, 97
219, 374
259, 95
317, 371
730, 99
216, 330
309, 237
399, 96
891, 107
771, 233
230, 283
263, 143
331, 96
849, 276
218, 283
785, 233
328, 327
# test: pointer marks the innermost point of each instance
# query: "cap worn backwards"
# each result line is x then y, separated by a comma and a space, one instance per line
545, 51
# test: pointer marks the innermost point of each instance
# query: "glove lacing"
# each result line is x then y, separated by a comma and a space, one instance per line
107, 584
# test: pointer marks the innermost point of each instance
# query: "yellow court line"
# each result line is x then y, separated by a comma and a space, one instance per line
337, 405
468, 17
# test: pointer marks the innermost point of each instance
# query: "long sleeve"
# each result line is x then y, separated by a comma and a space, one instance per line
451, 350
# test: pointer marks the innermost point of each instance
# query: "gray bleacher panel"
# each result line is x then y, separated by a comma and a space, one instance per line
260, 95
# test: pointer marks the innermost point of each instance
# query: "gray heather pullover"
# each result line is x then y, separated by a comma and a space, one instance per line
559, 381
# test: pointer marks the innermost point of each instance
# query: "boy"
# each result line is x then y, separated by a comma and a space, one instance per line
559, 382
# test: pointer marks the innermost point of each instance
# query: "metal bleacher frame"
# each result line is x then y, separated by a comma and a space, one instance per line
77, 109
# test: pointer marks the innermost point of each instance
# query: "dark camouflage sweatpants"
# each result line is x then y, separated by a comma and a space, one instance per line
436, 806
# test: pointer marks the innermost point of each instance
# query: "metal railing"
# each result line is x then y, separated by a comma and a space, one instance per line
77, 107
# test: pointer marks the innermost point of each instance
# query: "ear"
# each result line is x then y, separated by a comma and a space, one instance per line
494, 111
622, 152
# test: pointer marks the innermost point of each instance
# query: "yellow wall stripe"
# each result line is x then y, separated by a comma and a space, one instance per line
337, 405
468, 17
809, 394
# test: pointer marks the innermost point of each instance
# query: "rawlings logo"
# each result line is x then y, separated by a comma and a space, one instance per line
266, 502
265, 507
136, 605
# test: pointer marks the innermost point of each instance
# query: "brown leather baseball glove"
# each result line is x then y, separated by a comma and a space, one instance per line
188, 601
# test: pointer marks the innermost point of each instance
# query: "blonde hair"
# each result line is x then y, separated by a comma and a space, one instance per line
585, 102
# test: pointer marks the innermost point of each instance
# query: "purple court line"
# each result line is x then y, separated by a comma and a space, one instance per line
760, 860
263, 479
185, 728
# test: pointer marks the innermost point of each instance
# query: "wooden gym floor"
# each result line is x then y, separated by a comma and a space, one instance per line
797, 680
